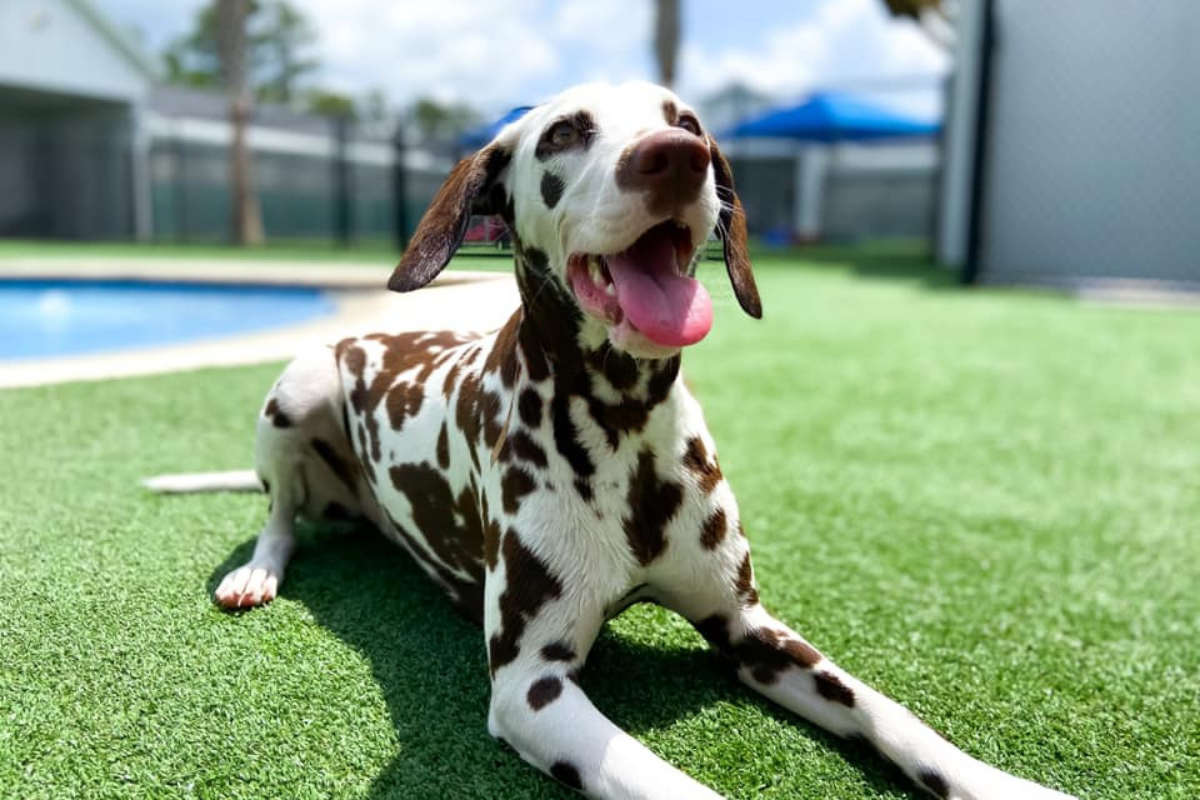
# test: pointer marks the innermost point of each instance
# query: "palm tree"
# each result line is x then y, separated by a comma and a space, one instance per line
245, 217
666, 39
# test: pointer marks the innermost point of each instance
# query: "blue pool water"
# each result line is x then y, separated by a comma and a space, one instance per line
45, 318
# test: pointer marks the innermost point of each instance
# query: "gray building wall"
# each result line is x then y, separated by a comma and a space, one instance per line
1093, 157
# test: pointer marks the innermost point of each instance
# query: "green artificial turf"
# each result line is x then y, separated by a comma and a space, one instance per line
985, 503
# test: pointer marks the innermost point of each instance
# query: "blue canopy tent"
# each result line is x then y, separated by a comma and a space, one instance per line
477, 137
819, 125
834, 117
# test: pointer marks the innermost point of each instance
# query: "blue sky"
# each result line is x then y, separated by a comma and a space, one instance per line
498, 53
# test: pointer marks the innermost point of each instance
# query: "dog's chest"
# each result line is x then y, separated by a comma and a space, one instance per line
460, 447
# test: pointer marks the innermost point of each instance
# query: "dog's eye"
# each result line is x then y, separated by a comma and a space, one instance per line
563, 135
689, 124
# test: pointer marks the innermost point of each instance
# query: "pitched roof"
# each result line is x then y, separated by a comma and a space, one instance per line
124, 44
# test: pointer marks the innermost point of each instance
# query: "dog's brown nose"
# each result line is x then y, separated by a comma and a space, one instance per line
670, 166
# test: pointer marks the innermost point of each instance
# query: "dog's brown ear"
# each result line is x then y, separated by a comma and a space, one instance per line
466, 191
731, 229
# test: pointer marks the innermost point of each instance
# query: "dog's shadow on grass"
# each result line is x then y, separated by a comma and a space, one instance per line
431, 666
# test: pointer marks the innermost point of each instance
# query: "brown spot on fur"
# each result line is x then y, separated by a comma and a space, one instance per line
530, 408
628, 416
565, 437
490, 409
491, 535
803, 653
342, 468
543, 692
831, 688
451, 525
652, 504
400, 353
443, 448
619, 369
745, 582
516, 484
934, 782
766, 653
525, 448
404, 401
503, 356
528, 586
277, 417
695, 458
450, 382
661, 381
466, 415
533, 348
552, 189
566, 773
714, 529
558, 651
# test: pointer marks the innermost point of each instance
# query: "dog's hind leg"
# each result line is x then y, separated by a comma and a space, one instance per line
305, 463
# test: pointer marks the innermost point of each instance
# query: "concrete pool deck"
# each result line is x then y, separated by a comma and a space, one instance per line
457, 300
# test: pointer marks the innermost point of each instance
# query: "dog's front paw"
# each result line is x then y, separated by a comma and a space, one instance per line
249, 586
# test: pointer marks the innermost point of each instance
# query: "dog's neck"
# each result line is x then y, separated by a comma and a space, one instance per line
560, 343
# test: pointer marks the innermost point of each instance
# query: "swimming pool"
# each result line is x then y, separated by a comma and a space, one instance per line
47, 318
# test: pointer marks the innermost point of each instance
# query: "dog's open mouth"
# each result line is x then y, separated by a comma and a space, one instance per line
646, 287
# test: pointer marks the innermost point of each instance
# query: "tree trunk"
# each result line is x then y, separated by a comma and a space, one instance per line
246, 219
666, 39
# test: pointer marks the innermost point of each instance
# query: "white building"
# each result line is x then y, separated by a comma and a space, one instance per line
92, 147
72, 96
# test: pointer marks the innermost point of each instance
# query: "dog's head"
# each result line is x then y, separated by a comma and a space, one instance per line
610, 193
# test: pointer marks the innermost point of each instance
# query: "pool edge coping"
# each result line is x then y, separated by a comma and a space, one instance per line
463, 300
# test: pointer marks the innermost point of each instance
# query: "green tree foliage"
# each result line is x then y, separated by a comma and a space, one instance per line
331, 104
279, 39
438, 121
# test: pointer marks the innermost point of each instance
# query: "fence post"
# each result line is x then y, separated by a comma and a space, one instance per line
179, 198
399, 188
343, 188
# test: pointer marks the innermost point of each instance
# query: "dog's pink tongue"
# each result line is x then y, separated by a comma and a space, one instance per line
668, 308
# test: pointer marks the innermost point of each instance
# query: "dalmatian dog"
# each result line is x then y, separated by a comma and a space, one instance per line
553, 473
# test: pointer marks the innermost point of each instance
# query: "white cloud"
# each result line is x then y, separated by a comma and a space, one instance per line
843, 42
496, 54
450, 49
614, 25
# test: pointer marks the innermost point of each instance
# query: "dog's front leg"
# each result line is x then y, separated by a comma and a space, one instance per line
543, 713
539, 632
777, 662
